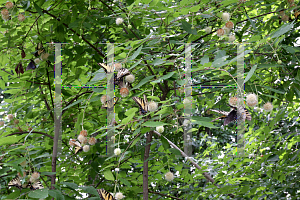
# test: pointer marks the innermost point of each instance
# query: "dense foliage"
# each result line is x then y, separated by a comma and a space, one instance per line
151, 40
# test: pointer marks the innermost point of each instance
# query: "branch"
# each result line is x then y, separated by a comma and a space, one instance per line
50, 87
145, 168
78, 95
21, 133
47, 105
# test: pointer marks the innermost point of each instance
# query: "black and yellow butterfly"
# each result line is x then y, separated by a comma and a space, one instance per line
16, 182
35, 186
120, 75
78, 147
110, 104
143, 104
39, 50
104, 195
233, 114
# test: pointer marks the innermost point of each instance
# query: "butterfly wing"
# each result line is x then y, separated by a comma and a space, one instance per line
109, 103
15, 182
78, 147
248, 115
35, 186
104, 195
39, 50
31, 65
105, 67
220, 112
142, 104
122, 72
231, 117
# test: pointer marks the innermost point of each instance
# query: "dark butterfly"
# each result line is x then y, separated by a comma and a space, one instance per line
235, 114
39, 50
16, 182
31, 65
143, 104
78, 147
104, 195
35, 186
106, 68
110, 103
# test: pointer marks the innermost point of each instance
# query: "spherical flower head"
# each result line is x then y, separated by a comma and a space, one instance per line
186, 101
181, 90
124, 92
35, 176
23, 164
229, 24
22, 175
225, 16
160, 129
9, 5
231, 38
44, 56
86, 148
118, 66
21, 17
29, 129
1, 123
16, 121
281, 13
186, 122
81, 138
220, 32
112, 137
10, 116
103, 99
130, 78
251, 100
119, 21
117, 151
152, 106
290, 1
37, 61
226, 30
5, 17
83, 132
285, 18
92, 141
119, 195
207, 29
268, 106
72, 142
169, 176
4, 12
117, 169
233, 101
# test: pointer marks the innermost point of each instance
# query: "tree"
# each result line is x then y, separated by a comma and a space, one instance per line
155, 41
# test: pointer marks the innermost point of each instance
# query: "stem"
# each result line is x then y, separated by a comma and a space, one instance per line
145, 171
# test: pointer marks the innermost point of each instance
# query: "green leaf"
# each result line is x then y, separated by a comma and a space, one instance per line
188, 27
165, 143
250, 73
273, 158
158, 61
154, 124
136, 53
56, 194
70, 185
10, 140
75, 103
90, 190
142, 82
39, 194
108, 175
167, 76
175, 151
38, 9
252, 23
202, 121
125, 182
129, 118
282, 30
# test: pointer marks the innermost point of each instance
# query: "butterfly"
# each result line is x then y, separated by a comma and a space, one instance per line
78, 147
31, 65
235, 114
39, 50
106, 68
104, 195
120, 75
35, 186
110, 104
16, 182
143, 104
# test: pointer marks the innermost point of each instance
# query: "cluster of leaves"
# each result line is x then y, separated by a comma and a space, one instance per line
153, 49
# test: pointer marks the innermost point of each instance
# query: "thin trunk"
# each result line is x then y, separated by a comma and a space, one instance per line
145, 172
